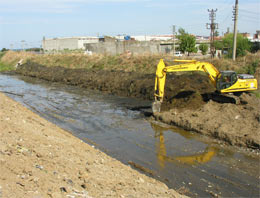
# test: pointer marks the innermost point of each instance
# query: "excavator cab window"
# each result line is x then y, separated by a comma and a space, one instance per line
226, 80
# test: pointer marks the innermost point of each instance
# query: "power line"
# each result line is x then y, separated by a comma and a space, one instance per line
249, 17
249, 12
250, 20
225, 5
227, 16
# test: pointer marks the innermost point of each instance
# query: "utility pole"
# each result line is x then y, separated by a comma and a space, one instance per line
235, 12
173, 37
43, 44
212, 26
22, 44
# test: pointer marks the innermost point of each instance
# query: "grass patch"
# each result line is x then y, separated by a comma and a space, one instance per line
5, 67
257, 93
2, 54
139, 63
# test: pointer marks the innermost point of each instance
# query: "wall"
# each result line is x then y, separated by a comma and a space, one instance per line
132, 46
83, 40
60, 44
71, 43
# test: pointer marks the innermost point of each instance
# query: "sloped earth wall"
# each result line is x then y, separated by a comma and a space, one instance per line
184, 104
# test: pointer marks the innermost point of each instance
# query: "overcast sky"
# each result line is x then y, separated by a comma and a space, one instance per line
30, 20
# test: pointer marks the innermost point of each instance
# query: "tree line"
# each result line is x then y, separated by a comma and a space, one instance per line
187, 44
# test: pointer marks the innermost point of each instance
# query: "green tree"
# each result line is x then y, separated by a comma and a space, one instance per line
218, 45
187, 42
255, 46
216, 33
243, 44
203, 48
4, 50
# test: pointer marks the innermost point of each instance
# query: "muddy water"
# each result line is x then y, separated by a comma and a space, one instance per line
181, 159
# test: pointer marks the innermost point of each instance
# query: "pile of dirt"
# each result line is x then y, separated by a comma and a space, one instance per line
186, 91
235, 124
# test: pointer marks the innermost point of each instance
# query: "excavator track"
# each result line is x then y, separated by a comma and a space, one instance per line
223, 98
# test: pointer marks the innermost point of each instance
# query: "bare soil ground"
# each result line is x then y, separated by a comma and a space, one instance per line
38, 159
184, 105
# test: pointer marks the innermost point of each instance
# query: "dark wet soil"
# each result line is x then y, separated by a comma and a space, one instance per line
181, 91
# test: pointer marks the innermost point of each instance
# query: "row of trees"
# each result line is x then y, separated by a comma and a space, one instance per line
226, 44
187, 43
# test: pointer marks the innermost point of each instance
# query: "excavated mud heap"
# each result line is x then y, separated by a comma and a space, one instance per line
186, 91
234, 124
182, 91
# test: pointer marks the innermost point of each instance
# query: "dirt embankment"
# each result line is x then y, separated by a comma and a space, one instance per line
38, 159
235, 124
122, 83
185, 104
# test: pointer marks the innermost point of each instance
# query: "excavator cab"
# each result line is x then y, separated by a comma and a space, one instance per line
226, 79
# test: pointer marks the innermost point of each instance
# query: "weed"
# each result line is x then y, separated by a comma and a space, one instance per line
145, 63
5, 67
2, 54
257, 93
251, 69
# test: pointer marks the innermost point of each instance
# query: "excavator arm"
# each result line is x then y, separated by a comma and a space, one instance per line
186, 65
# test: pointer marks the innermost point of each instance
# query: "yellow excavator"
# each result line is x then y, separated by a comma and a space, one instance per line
225, 82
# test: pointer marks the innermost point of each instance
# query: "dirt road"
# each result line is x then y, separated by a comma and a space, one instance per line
184, 103
38, 159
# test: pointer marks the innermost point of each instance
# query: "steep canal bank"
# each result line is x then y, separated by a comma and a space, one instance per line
181, 159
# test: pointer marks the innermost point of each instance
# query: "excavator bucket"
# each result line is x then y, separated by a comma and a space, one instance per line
156, 106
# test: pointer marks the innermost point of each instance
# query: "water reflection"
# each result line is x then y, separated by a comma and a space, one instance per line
197, 158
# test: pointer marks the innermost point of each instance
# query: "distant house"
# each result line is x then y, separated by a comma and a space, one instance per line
152, 37
257, 35
246, 35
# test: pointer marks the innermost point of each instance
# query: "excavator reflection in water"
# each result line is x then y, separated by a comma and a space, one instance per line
162, 157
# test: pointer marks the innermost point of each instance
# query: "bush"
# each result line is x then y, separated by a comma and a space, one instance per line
251, 69
203, 48
4, 50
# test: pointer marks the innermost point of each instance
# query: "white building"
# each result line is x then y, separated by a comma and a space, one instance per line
147, 37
